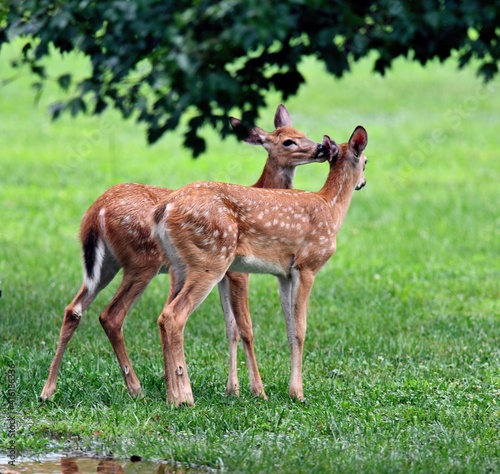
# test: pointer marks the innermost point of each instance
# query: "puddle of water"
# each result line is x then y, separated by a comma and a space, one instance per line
72, 465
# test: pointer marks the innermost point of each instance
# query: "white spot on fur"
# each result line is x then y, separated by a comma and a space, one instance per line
199, 230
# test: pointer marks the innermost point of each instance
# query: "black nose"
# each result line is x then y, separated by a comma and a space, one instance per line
320, 150
360, 185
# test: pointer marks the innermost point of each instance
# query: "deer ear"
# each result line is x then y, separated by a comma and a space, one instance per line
250, 135
282, 117
358, 140
332, 150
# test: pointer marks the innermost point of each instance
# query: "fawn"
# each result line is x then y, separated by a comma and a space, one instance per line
115, 233
209, 228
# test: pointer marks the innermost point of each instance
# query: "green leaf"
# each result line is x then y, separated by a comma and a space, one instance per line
488, 70
56, 109
38, 70
75, 106
64, 81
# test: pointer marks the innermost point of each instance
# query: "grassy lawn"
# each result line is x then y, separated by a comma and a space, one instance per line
402, 357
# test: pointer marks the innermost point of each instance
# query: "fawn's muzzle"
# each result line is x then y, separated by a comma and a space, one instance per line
321, 151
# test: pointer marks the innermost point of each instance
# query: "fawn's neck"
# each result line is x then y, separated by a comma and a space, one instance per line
339, 187
275, 176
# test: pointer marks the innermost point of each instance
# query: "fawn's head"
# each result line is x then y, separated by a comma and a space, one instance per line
351, 153
286, 146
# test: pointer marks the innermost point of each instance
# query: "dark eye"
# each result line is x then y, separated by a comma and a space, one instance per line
288, 142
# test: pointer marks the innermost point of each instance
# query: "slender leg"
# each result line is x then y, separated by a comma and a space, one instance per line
132, 286
233, 337
195, 288
72, 316
238, 283
294, 294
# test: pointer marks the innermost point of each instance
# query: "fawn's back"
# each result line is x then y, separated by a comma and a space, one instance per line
258, 230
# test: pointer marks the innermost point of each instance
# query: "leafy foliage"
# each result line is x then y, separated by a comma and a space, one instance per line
162, 60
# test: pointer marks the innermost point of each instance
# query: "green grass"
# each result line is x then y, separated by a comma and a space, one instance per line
402, 356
